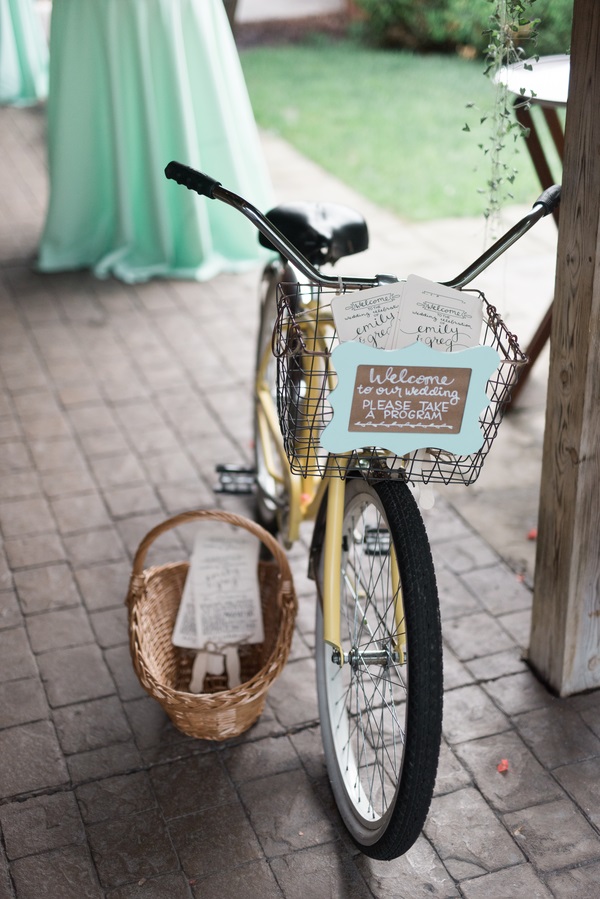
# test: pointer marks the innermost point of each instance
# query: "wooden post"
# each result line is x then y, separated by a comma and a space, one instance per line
565, 631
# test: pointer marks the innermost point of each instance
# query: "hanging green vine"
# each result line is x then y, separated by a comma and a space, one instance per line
511, 23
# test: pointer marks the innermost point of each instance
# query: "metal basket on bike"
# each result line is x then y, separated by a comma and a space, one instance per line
303, 341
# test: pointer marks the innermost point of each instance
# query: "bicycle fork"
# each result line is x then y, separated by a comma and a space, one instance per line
333, 566
331, 599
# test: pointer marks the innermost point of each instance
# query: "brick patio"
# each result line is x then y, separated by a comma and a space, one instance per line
116, 403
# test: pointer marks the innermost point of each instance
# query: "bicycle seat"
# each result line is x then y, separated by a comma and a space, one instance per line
322, 232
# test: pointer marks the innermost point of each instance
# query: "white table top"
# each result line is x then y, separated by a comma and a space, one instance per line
545, 81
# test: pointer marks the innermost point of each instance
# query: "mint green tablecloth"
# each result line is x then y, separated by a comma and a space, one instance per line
134, 84
23, 54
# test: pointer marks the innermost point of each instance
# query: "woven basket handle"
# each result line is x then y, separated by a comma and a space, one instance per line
217, 515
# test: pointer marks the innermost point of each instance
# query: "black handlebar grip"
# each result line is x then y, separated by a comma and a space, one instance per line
549, 199
192, 179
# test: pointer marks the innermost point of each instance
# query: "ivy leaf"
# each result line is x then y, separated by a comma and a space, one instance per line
466, 127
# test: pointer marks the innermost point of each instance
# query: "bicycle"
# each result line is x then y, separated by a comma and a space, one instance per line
378, 630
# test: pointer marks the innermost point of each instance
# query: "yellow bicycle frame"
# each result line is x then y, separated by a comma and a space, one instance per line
305, 494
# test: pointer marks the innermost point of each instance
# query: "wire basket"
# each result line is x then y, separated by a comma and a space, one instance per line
164, 670
303, 340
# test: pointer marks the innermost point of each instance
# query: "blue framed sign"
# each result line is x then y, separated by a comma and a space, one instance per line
408, 399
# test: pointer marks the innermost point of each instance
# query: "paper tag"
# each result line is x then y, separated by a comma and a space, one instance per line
220, 604
440, 317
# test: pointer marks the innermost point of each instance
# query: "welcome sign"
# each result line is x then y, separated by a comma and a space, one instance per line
405, 399
408, 399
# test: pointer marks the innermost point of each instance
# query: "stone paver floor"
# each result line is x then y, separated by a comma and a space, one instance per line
116, 402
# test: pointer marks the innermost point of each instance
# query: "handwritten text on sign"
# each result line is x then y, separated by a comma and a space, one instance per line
404, 399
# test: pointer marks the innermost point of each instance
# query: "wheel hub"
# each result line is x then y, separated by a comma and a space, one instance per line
384, 657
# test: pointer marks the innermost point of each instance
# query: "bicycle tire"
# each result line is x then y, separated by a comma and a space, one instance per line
271, 497
381, 737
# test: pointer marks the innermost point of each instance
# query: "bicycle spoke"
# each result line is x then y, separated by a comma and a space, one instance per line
372, 761
367, 705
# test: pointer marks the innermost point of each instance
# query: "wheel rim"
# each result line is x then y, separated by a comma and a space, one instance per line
367, 696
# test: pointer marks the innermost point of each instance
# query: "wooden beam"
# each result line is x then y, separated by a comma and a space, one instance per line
565, 632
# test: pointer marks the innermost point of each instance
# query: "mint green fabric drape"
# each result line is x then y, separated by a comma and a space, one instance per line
23, 54
134, 84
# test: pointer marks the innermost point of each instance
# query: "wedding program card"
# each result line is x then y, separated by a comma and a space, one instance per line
220, 605
440, 317
393, 316
368, 316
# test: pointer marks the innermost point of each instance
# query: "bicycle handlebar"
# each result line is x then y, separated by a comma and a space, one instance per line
549, 199
208, 187
545, 204
192, 179
203, 184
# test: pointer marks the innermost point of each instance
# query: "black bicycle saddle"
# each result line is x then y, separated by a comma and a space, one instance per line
322, 232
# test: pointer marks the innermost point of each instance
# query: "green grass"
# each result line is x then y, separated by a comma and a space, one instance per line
386, 122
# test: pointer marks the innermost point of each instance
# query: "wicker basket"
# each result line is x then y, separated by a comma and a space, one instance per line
164, 670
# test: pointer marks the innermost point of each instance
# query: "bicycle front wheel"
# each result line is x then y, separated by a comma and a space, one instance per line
381, 711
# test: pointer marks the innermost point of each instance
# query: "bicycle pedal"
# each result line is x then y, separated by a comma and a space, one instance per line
235, 479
